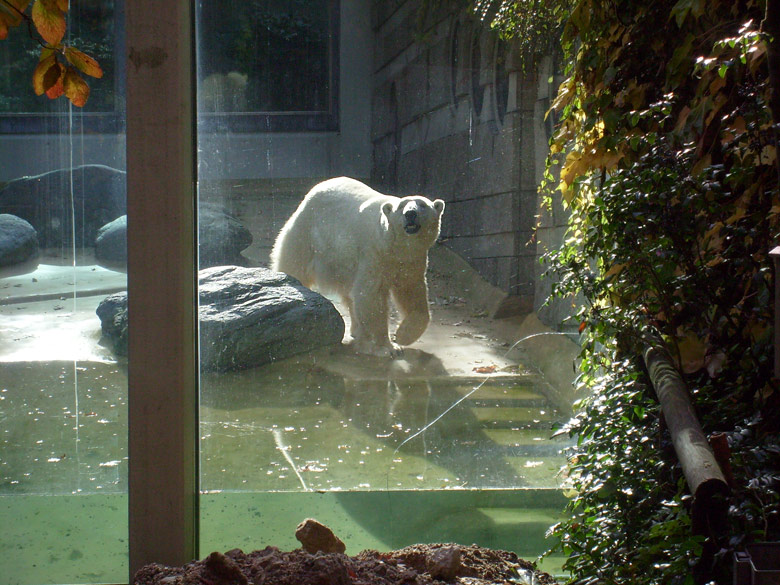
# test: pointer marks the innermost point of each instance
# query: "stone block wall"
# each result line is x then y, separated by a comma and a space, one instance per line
455, 116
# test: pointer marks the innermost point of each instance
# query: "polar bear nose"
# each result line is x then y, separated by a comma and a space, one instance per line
411, 225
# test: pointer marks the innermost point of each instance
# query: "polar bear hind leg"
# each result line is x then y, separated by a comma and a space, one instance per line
292, 254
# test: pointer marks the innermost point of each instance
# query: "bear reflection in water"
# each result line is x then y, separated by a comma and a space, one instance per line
366, 247
408, 405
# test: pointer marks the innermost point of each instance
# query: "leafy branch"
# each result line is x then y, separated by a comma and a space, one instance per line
60, 65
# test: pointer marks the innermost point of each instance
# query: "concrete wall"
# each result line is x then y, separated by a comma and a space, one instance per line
438, 129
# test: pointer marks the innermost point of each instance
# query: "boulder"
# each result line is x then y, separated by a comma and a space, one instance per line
111, 241
45, 202
112, 312
18, 240
221, 238
248, 317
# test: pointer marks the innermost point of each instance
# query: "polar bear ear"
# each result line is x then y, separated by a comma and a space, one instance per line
438, 205
387, 208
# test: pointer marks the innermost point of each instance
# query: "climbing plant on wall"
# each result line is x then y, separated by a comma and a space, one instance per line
666, 157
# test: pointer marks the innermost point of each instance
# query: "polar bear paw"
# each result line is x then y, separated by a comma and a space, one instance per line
391, 350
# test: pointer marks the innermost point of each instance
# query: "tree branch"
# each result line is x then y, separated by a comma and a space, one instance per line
27, 20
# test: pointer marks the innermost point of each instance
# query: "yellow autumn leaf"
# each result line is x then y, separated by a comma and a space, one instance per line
76, 89
605, 160
49, 20
757, 54
83, 62
768, 155
692, 353
614, 270
55, 74
565, 95
717, 84
712, 241
45, 74
636, 95
685, 112
736, 216
571, 168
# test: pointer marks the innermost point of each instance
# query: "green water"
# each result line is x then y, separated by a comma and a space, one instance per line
385, 463
82, 539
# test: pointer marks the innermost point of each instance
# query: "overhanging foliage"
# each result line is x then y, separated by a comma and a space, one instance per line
666, 157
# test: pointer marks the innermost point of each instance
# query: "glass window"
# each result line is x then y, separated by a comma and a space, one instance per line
449, 441
63, 389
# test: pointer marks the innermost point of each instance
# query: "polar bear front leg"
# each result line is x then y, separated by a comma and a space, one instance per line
369, 312
412, 301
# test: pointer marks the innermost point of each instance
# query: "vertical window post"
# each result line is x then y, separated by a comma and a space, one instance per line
162, 361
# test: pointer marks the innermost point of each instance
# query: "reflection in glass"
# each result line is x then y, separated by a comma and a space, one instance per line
96, 29
63, 394
275, 60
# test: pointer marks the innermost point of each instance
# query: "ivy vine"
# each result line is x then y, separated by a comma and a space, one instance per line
665, 155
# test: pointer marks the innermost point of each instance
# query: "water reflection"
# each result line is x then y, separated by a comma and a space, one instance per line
315, 422
332, 420
64, 427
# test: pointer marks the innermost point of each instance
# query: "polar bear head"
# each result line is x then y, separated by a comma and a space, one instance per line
414, 216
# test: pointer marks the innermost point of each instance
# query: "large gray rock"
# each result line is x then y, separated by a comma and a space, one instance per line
111, 241
221, 238
18, 240
45, 201
112, 312
248, 317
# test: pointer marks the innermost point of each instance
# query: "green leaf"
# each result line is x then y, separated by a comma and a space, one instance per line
680, 11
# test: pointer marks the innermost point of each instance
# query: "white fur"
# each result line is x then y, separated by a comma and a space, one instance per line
350, 240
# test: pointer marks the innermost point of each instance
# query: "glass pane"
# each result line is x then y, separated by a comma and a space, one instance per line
63, 388
274, 60
449, 440
267, 56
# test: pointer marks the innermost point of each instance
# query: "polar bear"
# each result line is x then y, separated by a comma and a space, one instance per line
345, 238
